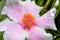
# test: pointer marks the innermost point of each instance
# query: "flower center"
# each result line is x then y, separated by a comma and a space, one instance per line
28, 20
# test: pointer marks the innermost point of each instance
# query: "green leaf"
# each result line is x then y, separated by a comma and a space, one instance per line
2, 5
1, 36
2, 17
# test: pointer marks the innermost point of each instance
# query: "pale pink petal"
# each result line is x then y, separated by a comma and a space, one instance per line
39, 34
47, 20
14, 32
15, 12
31, 7
2, 27
8, 2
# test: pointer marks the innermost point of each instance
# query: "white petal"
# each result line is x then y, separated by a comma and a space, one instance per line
57, 3
48, 36
3, 23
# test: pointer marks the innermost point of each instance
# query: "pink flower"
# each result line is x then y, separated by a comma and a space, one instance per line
26, 21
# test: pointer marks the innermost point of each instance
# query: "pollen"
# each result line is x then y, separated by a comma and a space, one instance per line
28, 20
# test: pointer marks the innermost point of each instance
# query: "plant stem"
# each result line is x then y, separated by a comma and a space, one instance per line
45, 7
58, 10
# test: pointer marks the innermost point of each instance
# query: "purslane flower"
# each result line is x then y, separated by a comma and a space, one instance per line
26, 21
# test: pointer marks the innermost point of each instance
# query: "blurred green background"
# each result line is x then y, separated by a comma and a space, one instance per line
47, 4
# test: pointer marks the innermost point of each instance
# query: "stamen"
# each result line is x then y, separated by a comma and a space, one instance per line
28, 20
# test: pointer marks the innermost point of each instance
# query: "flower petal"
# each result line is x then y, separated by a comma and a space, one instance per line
2, 27
15, 12
8, 2
31, 7
39, 34
47, 20
57, 3
14, 32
